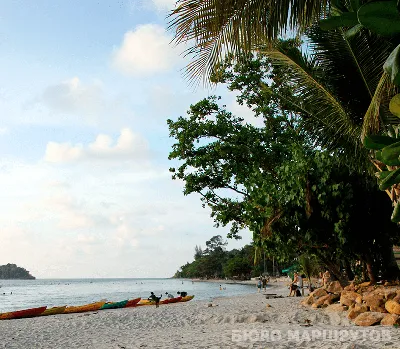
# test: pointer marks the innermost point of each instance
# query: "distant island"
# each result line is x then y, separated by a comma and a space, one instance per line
12, 271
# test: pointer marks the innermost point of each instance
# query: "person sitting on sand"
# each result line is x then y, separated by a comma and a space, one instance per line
326, 277
169, 295
155, 299
182, 294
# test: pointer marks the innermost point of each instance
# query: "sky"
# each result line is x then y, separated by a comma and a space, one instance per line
86, 88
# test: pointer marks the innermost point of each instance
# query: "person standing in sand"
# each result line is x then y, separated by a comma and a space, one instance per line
259, 284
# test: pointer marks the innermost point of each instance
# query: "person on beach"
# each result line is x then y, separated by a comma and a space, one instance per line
155, 299
259, 284
326, 277
182, 294
293, 285
264, 283
169, 295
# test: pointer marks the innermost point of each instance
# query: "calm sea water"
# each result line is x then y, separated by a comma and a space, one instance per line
53, 292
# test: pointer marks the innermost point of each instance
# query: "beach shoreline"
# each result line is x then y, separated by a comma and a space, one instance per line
231, 322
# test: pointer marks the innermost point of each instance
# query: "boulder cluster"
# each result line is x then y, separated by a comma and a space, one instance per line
365, 304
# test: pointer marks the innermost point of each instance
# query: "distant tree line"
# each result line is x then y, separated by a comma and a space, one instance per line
12, 271
216, 262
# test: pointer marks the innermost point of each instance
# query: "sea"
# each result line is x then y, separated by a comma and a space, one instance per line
23, 294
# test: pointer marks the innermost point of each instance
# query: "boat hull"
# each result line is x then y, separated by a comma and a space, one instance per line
84, 308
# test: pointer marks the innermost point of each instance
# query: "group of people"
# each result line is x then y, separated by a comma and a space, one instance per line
297, 287
156, 299
262, 283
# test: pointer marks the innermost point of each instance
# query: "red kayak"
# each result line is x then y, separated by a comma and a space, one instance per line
27, 313
171, 300
132, 302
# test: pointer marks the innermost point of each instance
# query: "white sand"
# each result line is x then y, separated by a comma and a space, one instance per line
194, 325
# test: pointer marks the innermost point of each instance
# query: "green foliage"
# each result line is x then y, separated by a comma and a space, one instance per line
295, 197
12, 271
392, 66
219, 263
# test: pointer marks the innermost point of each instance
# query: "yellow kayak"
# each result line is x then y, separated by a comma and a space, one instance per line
83, 308
53, 311
186, 298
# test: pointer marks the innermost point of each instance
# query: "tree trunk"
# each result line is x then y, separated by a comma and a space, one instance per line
349, 271
370, 269
391, 269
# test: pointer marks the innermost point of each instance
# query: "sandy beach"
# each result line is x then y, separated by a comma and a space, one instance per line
232, 322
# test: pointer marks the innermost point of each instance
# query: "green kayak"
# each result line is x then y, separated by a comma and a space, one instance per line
114, 305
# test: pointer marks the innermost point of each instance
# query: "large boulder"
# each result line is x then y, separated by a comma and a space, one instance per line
390, 294
334, 287
390, 320
326, 300
368, 319
351, 287
348, 298
336, 307
392, 307
318, 293
308, 300
374, 299
356, 310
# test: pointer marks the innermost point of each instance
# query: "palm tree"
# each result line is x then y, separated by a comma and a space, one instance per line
215, 27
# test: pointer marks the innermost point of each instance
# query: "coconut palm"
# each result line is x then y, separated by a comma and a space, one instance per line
215, 27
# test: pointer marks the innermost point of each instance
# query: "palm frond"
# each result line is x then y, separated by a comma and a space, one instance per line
324, 116
373, 119
352, 67
215, 27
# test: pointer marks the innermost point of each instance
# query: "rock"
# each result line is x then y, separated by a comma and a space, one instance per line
359, 300
356, 310
392, 307
390, 320
318, 293
326, 300
390, 294
268, 305
336, 307
380, 309
374, 300
351, 287
364, 284
308, 301
368, 319
348, 297
334, 287
315, 306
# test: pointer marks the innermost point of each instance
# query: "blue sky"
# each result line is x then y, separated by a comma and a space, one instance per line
86, 88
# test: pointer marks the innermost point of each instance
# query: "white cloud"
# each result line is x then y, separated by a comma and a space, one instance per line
161, 5
71, 96
145, 51
129, 145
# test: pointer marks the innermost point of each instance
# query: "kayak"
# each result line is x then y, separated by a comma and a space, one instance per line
83, 308
187, 298
171, 300
166, 301
19, 314
53, 311
132, 302
114, 305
